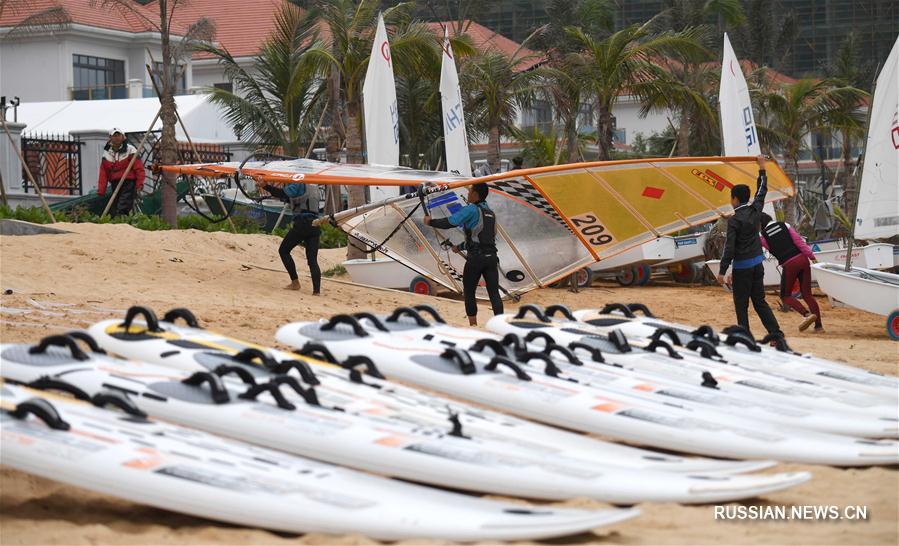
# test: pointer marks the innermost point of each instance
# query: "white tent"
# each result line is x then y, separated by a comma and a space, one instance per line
204, 121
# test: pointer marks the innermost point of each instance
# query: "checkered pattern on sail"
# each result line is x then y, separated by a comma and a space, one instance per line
526, 192
453, 272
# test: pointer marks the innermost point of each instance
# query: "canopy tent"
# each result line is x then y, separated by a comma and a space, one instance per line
204, 121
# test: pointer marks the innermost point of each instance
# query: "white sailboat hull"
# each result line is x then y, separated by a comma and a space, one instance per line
772, 270
865, 289
649, 253
687, 248
384, 272
876, 256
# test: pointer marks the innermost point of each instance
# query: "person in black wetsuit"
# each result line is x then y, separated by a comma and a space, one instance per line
303, 201
743, 249
479, 224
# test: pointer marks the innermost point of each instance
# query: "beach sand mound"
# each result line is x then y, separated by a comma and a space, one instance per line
233, 283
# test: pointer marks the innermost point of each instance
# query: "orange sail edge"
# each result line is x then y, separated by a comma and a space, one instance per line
324, 177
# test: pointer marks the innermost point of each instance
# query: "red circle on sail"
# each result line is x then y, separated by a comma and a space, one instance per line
385, 51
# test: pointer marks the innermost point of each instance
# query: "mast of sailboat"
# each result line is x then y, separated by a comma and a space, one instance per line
858, 184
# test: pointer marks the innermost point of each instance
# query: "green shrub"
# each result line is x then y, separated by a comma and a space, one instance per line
335, 271
332, 237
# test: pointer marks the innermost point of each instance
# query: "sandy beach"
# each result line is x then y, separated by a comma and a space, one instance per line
233, 283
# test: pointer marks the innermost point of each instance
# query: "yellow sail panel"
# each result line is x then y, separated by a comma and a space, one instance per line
617, 205
585, 205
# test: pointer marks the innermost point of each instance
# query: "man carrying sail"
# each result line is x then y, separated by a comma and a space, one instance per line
743, 247
479, 223
793, 255
303, 200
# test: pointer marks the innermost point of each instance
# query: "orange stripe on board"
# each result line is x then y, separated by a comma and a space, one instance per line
391, 441
608, 407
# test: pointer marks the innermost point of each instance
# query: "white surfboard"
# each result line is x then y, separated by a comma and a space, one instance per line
503, 385
541, 353
731, 376
187, 347
411, 452
766, 359
187, 471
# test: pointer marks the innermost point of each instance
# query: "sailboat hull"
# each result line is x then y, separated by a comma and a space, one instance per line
865, 289
876, 256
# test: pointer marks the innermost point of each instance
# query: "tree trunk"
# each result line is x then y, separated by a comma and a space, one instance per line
168, 146
571, 140
332, 191
847, 180
604, 132
168, 149
683, 135
493, 143
789, 204
355, 194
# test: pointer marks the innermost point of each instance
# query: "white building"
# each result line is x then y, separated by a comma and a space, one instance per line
87, 52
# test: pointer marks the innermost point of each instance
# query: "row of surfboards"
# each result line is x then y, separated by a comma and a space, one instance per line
201, 423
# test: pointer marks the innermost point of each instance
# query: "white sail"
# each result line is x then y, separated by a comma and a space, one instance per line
878, 199
382, 122
454, 134
738, 132
382, 129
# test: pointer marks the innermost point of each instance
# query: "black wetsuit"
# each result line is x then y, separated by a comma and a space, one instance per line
305, 211
479, 223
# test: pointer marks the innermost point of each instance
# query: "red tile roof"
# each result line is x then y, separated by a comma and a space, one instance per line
485, 39
241, 27
82, 12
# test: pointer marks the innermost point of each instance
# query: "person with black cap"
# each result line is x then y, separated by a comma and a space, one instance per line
479, 223
743, 249
116, 157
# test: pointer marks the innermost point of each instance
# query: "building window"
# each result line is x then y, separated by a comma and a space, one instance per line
98, 78
226, 86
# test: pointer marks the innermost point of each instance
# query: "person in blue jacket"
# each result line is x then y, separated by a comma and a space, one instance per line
303, 200
479, 223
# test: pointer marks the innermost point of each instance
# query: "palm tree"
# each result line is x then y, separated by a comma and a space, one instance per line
692, 98
495, 89
418, 96
626, 63
792, 112
421, 125
563, 80
200, 31
849, 69
277, 103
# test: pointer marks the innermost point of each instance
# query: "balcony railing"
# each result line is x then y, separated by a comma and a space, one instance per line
100, 92
114, 91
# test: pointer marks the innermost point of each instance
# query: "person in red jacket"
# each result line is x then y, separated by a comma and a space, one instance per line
116, 157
